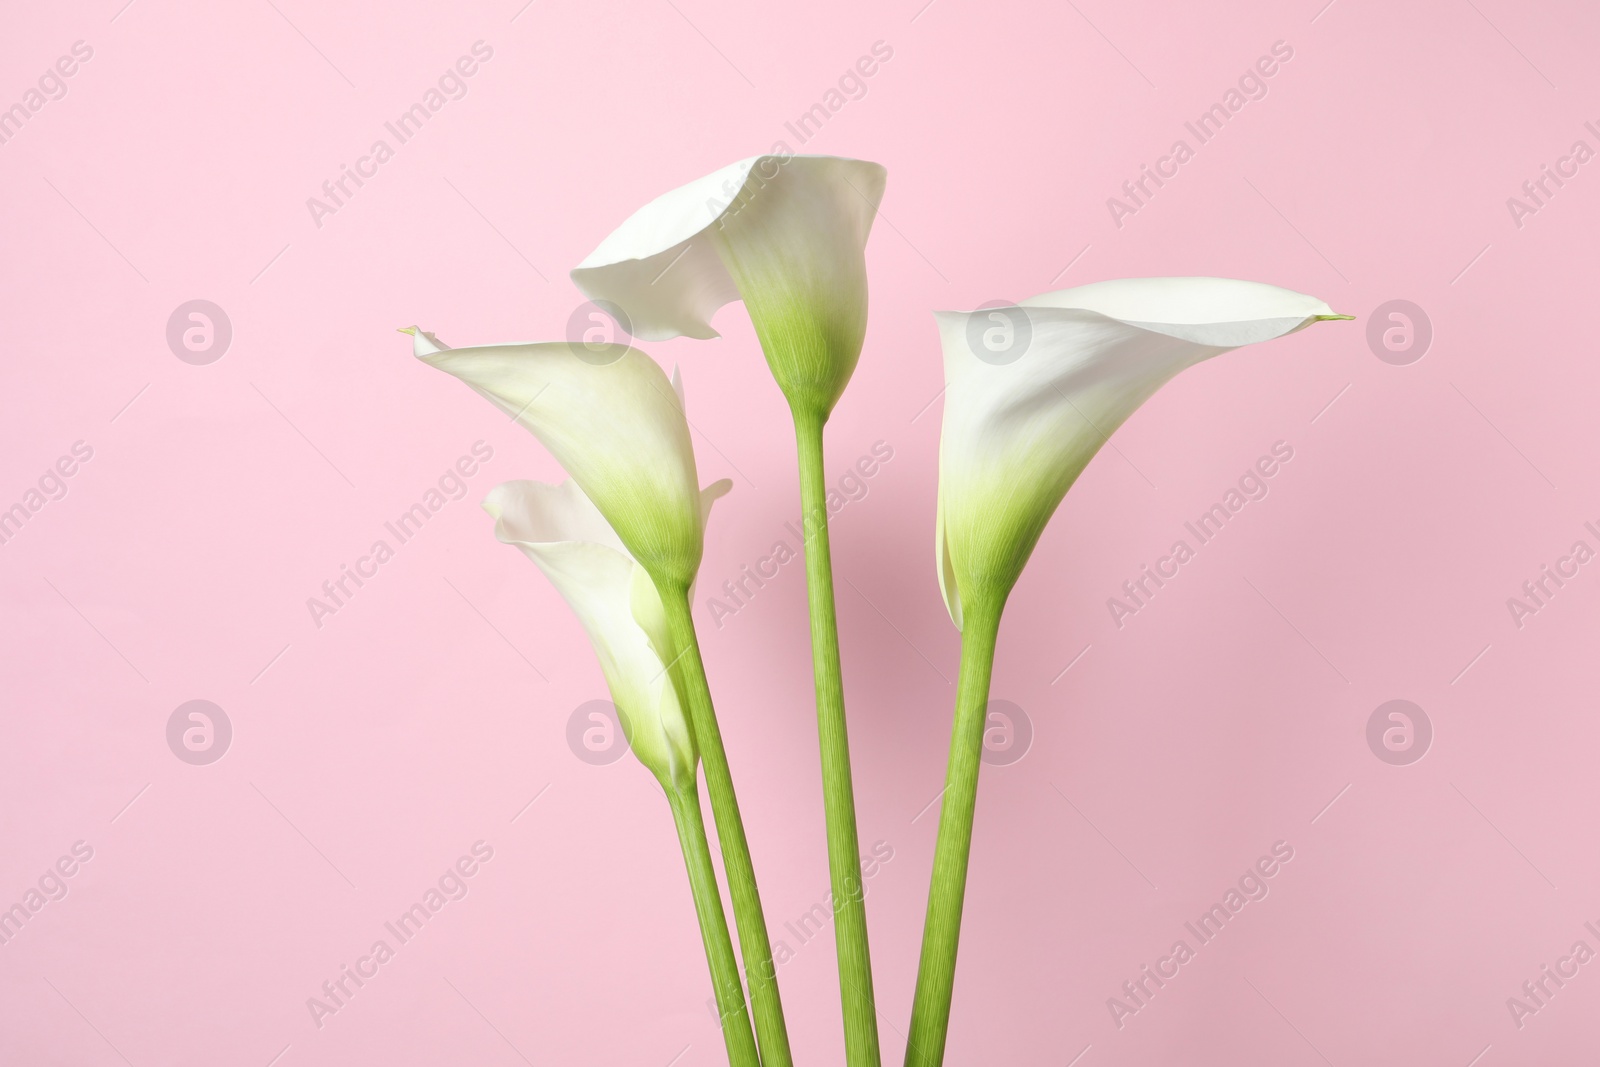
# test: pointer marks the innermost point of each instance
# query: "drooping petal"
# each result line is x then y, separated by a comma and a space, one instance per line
1034, 390
784, 233
561, 530
660, 266
614, 420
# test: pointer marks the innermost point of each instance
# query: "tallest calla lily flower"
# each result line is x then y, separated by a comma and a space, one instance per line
787, 235
1032, 392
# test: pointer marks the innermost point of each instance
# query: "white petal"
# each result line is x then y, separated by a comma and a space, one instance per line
1184, 300
562, 531
663, 267
1018, 429
708, 496
618, 427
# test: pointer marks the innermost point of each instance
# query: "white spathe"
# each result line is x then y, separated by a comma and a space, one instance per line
562, 531
1034, 390
785, 234
662, 266
614, 420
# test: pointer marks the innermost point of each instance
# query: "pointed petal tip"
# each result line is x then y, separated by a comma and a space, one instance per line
496, 503
423, 342
1334, 318
677, 386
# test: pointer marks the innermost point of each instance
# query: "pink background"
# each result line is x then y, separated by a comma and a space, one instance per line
370, 753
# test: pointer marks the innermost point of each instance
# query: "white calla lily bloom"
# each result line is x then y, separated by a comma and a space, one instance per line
562, 531
785, 234
614, 420
1033, 391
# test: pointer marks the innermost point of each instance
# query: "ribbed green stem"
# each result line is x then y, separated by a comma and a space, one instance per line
838, 794
930, 1010
736, 1032
759, 973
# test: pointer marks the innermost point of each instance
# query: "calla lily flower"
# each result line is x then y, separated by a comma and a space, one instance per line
614, 420
786, 234
561, 530
617, 424
1034, 390
617, 600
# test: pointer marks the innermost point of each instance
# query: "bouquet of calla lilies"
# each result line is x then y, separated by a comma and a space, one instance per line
622, 539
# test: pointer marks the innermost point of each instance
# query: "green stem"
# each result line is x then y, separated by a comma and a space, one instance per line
930, 1010
736, 1032
838, 794
759, 973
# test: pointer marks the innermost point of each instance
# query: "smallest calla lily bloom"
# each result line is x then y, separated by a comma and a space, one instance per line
561, 530
785, 234
1034, 390
614, 420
